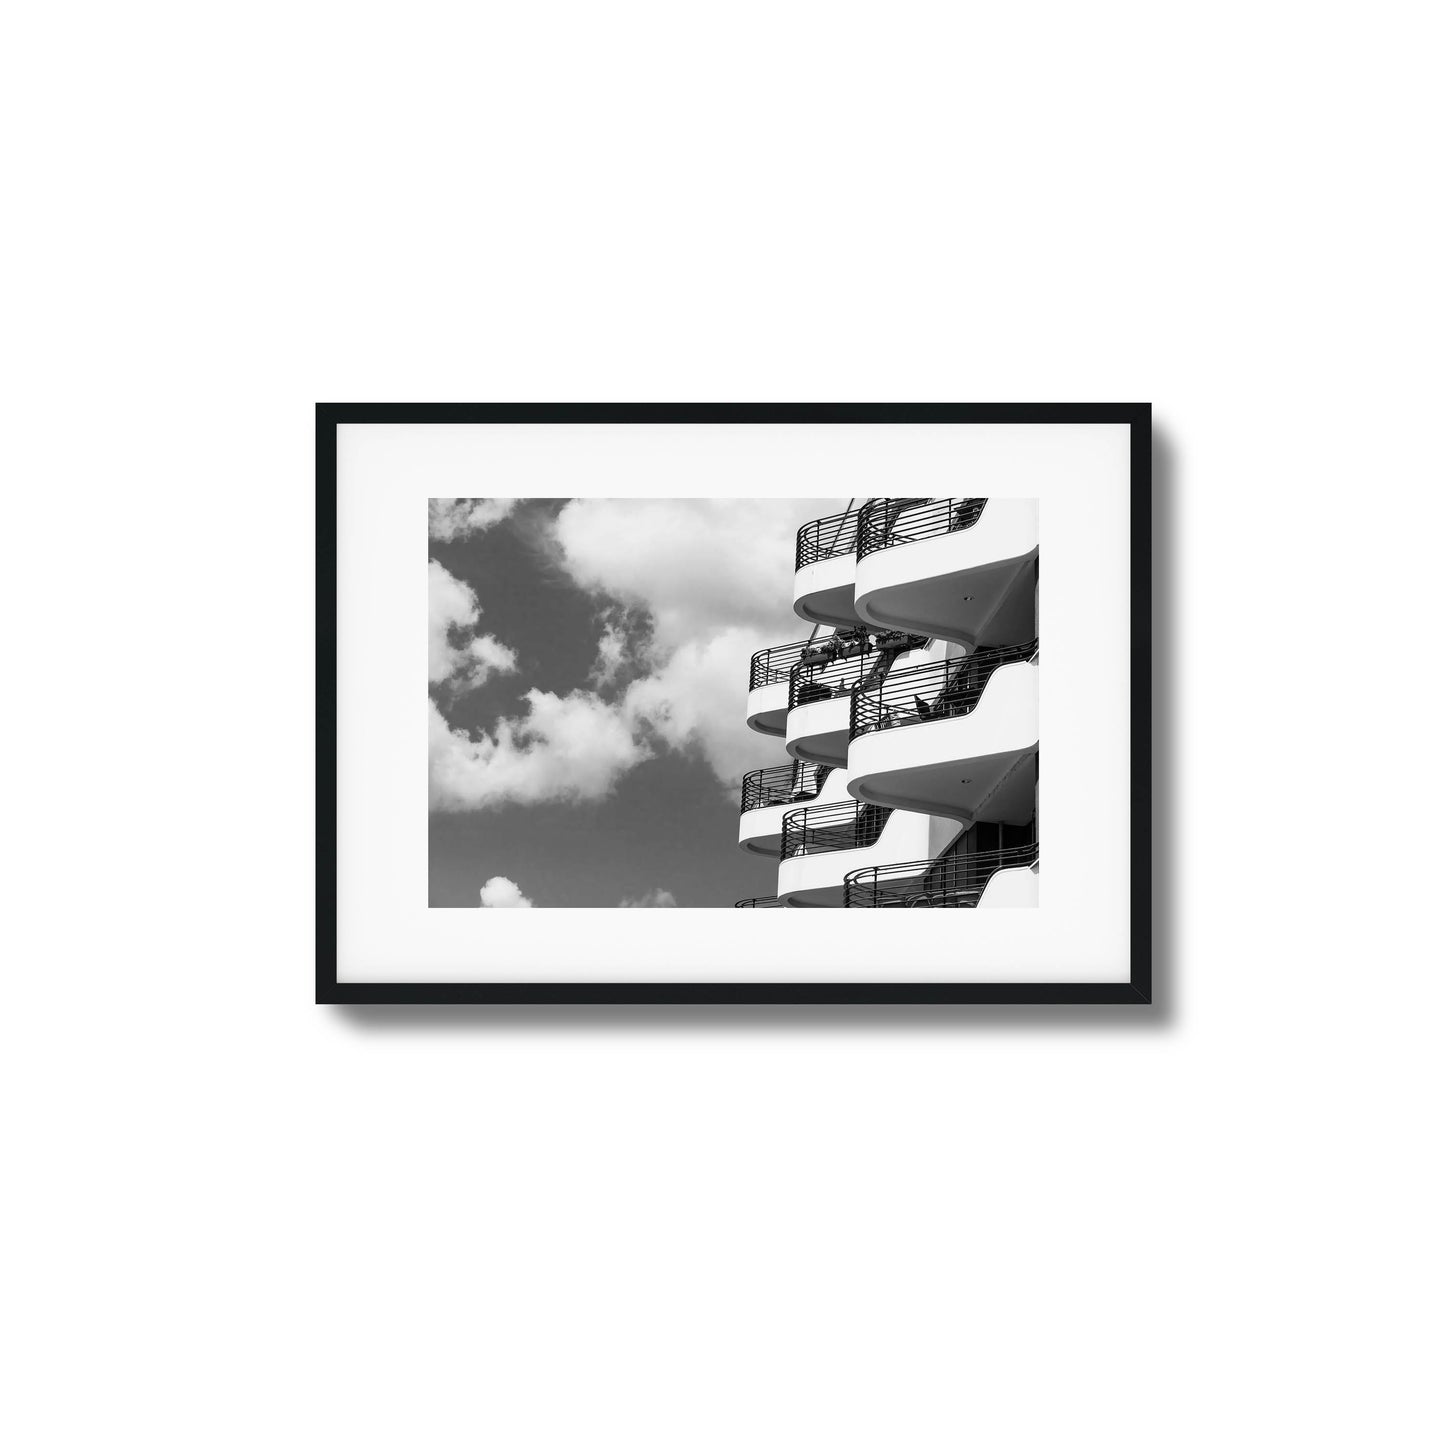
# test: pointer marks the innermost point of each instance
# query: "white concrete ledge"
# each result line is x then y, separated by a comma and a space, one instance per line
768, 709
1012, 888
818, 731
823, 591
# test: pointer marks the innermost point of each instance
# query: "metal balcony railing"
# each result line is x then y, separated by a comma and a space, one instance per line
892, 521
956, 880
834, 536
832, 828
818, 682
838, 665
758, 903
773, 664
935, 690
796, 782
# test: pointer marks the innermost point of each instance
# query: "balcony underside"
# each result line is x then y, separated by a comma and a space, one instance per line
768, 709
998, 788
823, 592
980, 606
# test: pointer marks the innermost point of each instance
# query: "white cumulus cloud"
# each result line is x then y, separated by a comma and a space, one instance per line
450, 519
612, 648
688, 590
564, 749
456, 654
658, 898
714, 577
694, 700
696, 564
503, 893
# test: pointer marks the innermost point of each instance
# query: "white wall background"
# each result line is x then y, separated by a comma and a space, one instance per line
232, 1216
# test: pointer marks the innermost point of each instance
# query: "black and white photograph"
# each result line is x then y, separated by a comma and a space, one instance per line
682, 659
616, 720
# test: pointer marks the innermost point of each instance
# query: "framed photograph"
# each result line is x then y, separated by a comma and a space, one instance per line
686, 666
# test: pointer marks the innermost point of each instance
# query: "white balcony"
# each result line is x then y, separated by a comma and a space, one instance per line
823, 592
768, 709
970, 874
824, 565
770, 794
818, 731
812, 875
957, 738
821, 698
955, 567
768, 676
1012, 888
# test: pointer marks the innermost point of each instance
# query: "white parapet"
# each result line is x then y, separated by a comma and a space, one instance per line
818, 731
768, 709
1012, 888
823, 591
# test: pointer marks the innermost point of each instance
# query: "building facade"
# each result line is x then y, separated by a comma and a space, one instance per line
909, 718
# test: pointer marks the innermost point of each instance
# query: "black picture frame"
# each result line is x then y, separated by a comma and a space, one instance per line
1138, 990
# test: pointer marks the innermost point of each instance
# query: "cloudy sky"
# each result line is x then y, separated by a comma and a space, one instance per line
588, 669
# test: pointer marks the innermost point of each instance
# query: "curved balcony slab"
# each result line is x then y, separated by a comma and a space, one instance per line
969, 586
817, 732
1012, 888
823, 592
768, 709
974, 766
760, 830
815, 879
769, 673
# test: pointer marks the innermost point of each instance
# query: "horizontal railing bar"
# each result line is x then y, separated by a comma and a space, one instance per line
795, 782
832, 536
920, 866
834, 649
954, 879
766, 775
834, 676
806, 684
893, 521
831, 828
981, 657
832, 810
772, 664
932, 690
